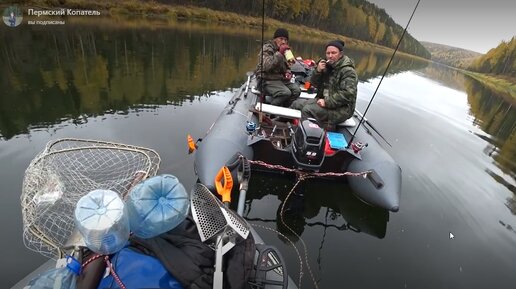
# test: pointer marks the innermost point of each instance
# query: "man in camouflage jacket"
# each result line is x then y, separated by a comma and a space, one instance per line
275, 77
336, 81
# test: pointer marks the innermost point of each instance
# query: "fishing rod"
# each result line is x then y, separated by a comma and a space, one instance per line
261, 62
363, 119
371, 126
261, 54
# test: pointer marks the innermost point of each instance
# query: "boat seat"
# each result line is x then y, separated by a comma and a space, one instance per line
293, 113
350, 122
306, 95
279, 110
255, 91
268, 98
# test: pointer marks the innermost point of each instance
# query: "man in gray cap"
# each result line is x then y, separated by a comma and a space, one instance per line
275, 77
336, 81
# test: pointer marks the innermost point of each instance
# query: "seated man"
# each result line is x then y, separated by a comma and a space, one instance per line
275, 77
336, 81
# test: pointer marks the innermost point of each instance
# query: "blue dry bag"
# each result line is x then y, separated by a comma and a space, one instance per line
137, 270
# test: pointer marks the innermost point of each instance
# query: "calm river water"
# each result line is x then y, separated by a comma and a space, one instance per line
152, 83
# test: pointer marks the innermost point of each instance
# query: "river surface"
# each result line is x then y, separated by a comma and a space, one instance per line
152, 83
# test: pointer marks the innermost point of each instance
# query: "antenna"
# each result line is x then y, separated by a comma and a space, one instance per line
362, 119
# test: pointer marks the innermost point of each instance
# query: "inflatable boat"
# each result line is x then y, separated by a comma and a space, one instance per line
76, 212
277, 136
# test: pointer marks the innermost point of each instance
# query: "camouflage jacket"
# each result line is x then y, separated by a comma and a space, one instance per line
274, 63
338, 87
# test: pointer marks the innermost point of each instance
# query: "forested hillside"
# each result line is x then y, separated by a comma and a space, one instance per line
452, 56
352, 18
500, 60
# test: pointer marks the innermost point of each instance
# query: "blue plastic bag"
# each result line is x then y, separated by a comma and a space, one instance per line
58, 278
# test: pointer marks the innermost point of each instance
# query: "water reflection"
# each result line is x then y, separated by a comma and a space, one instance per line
494, 113
85, 69
497, 117
144, 78
57, 74
315, 203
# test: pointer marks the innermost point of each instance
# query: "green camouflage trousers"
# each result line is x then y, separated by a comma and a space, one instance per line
282, 92
326, 117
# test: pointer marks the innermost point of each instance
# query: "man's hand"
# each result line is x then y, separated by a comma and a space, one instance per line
321, 66
321, 102
282, 48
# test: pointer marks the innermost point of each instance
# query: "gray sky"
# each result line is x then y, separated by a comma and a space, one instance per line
474, 25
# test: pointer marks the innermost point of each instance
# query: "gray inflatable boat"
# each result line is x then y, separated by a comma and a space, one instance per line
276, 135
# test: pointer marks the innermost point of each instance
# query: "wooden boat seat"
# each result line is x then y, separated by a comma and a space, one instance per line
350, 122
294, 113
267, 98
255, 91
279, 110
306, 95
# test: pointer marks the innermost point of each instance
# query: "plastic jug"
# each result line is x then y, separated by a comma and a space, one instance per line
58, 278
157, 205
102, 220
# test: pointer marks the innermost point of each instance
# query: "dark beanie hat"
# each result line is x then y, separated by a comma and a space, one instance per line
337, 43
281, 32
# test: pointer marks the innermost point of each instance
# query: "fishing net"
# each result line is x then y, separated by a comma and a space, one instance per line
66, 170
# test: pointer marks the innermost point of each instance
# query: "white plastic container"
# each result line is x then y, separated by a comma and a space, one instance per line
157, 205
102, 220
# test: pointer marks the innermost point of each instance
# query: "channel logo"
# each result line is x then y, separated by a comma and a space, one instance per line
12, 16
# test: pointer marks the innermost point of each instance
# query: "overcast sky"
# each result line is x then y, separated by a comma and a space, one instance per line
470, 24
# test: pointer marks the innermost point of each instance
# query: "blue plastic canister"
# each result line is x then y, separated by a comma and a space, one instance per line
157, 205
102, 221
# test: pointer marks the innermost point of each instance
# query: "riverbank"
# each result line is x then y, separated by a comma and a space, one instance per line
505, 85
156, 10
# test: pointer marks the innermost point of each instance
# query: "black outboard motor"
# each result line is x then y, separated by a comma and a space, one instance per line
308, 145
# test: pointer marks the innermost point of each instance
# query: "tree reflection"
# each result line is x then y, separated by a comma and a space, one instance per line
493, 113
114, 65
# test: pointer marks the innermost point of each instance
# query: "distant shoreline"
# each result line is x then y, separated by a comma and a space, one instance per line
498, 83
150, 9
153, 9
